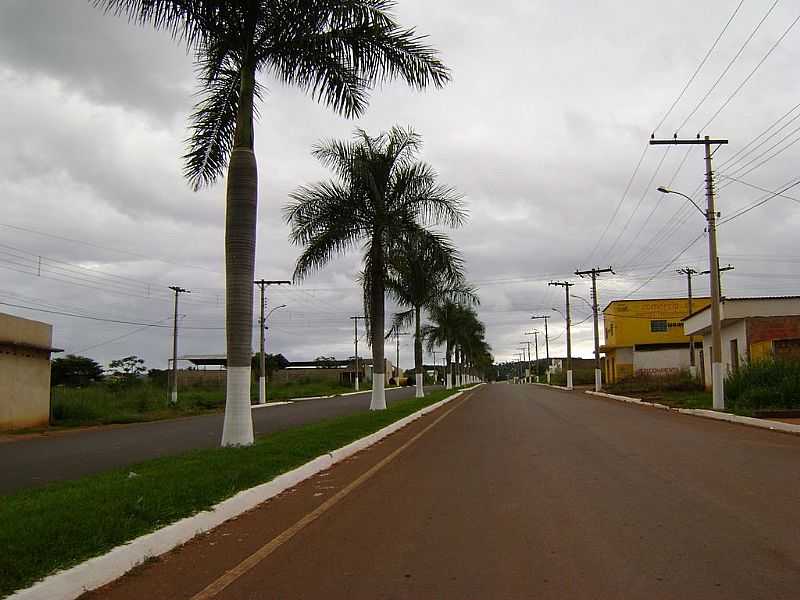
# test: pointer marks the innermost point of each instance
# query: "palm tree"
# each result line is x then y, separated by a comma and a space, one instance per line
424, 270
381, 195
334, 49
457, 327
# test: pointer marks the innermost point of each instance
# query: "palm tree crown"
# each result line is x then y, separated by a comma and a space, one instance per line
381, 195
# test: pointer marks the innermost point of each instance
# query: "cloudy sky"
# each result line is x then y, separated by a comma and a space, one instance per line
541, 130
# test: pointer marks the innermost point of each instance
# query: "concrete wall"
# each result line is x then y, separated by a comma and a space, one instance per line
24, 373
661, 362
737, 331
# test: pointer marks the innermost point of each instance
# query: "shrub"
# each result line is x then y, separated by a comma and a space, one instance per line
764, 384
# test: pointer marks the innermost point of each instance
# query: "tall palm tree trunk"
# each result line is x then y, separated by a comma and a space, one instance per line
378, 401
241, 214
419, 370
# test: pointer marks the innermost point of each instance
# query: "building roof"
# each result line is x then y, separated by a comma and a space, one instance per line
654, 300
735, 309
744, 299
205, 359
26, 346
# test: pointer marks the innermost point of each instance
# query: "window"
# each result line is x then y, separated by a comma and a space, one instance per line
658, 326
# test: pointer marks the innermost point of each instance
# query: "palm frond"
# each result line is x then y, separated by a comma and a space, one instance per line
188, 21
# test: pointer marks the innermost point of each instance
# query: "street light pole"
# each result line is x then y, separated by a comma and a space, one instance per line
262, 363
717, 375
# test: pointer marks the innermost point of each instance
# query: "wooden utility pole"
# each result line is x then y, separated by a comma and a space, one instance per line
262, 362
546, 345
688, 271
528, 345
598, 377
355, 341
566, 285
174, 394
717, 374
720, 270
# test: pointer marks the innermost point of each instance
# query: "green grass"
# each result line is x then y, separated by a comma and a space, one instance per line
103, 404
62, 524
579, 377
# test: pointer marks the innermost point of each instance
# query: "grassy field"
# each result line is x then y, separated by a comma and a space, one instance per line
62, 524
102, 404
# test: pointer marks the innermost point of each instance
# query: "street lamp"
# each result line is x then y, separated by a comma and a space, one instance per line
262, 375
717, 375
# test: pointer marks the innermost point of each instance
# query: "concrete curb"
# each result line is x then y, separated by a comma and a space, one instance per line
95, 572
709, 414
268, 404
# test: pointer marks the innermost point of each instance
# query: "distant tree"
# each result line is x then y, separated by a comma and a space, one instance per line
127, 369
73, 370
326, 362
158, 376
274, 362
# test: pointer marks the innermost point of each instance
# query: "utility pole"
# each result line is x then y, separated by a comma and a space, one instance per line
566, 285
528, 375
174, 395
262, 361
720, 270
435, 369
546, 345
355, 341
598, 377
717, 375
397, 335
688, 271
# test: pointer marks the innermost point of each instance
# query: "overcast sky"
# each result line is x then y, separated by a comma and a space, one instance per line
549, 112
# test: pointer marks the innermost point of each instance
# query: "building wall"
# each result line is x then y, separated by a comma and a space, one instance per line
734, 331
630, 322
658, 363
24, 373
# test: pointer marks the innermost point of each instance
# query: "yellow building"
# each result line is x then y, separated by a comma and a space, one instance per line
645, 337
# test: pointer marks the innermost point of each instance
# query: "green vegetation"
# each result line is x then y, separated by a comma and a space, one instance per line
640, 386
579, 377
106, 403
62, 524
764, 385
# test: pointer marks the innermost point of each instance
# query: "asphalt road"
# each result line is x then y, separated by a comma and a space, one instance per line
521, 492
71, 454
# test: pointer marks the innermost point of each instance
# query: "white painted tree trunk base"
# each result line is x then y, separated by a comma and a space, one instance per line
378, 401
718, 386
449, 382
598, 380
262, 390
238, 427
569, 379
357, 388
173, 397
419, 385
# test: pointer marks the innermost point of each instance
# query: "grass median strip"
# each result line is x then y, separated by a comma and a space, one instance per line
63, 524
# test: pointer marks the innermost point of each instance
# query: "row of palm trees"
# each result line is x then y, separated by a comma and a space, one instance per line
337, 51
385, 201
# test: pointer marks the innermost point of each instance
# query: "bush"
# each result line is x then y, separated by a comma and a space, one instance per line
764, 384
678, 382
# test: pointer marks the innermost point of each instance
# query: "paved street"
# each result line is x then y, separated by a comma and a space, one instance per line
519, 492
71, 454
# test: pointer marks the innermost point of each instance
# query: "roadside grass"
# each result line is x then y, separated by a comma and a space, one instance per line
579, 377
57, 526
103, 404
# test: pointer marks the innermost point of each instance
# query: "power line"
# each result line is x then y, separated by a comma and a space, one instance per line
700, 66
729, 65
746, 79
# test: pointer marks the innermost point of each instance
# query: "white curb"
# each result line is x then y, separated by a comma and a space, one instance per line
95, 572
268, 404
709, 414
